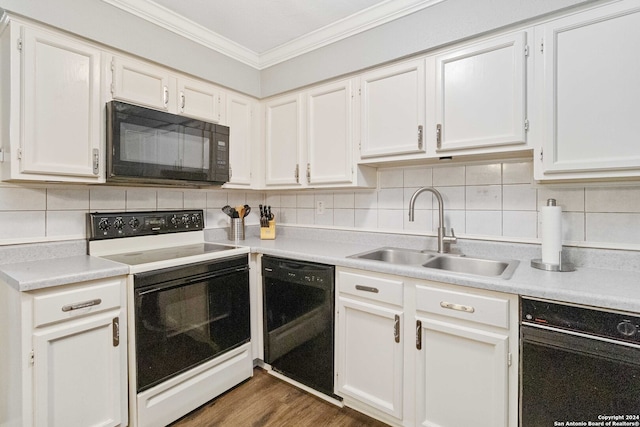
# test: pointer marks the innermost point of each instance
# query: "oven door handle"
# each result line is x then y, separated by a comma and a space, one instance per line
149, 289
579, 343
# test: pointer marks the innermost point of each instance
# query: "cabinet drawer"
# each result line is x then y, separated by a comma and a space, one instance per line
476, 308
374, 288
70, 302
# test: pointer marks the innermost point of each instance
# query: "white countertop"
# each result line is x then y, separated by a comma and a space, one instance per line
598, 287
32, 275
604, 288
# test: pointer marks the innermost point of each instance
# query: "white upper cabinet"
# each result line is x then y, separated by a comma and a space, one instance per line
283, 139
240, 121
199, 100
51, 107
480, 95
392, 117
587, 69
142, 83
309, 139
330, 133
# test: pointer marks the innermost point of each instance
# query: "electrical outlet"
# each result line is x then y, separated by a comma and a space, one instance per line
319, 207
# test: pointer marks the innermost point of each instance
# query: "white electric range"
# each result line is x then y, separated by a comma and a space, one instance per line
187, 310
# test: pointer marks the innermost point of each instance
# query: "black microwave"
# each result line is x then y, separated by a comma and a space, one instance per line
146, 146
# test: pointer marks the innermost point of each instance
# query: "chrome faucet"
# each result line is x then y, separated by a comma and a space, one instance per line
444, 241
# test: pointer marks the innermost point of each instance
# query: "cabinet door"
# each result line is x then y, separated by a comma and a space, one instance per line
77, 373
239, 120
140, 83
461, 376
590, 93
199, 100
480, 94
393, 110
330, 133
370, 355
284, 135
61, 120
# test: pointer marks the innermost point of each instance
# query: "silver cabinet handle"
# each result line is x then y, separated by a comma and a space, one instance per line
457, 307
420, 137
80, 305
418, 335
96, 161
396, 328
182, 101
439, 136
367, 288
165, 96
116, 331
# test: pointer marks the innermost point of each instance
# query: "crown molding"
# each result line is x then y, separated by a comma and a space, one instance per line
359, 22
362, 21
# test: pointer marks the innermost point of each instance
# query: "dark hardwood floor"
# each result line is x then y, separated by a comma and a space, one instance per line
266, 401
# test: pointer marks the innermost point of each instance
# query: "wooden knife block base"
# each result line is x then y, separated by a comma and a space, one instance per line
268, 233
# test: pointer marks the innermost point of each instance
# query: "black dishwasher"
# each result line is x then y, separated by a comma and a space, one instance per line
580, 365
298, 320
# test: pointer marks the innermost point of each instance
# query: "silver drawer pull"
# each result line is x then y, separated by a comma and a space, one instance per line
367, 289
457, 307
80, 305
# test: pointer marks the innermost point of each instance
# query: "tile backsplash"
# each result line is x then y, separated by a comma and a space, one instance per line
498, 200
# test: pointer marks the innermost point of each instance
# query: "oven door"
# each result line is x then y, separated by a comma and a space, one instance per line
187, 315
573, 377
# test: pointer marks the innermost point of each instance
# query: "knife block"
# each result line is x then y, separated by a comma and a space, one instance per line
268, 233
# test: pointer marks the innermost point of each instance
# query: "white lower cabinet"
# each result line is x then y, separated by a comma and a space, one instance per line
69, 355
370, 361
417, 353
465, 356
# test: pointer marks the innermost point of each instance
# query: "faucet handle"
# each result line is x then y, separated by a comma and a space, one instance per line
452, 238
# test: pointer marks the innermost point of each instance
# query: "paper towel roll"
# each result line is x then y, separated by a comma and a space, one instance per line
551, 233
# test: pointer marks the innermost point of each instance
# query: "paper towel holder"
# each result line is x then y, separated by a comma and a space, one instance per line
562, 266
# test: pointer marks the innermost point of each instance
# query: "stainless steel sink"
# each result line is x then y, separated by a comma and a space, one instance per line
447, 262
475, 266
395, 256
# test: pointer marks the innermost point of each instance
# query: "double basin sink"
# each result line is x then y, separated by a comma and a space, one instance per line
448, 262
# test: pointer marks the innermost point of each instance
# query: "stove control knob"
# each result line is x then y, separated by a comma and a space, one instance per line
134, 223
185, 219
174, 220
627, 329
104, 224
195, 218
118, 223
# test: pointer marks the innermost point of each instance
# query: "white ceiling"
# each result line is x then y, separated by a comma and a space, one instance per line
262, 33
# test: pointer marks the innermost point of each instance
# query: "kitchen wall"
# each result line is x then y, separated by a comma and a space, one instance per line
486, 201
427, 29
98, 21
30, 213
443, 23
